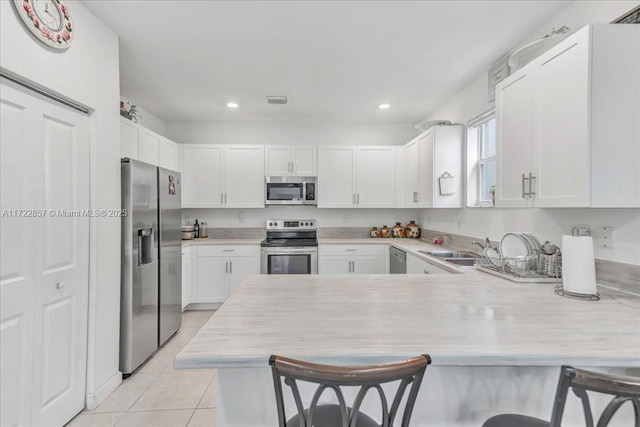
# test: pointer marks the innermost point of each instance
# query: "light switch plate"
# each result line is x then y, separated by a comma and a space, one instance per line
607, 236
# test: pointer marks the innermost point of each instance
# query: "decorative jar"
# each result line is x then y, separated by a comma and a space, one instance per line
385, 232
412, 230
375, 233
398, 230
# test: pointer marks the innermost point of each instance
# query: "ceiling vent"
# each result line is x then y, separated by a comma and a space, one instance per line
276, 99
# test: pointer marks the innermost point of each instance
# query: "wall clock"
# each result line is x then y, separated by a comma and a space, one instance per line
48, 20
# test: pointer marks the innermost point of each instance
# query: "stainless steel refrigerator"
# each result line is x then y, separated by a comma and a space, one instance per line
151, 282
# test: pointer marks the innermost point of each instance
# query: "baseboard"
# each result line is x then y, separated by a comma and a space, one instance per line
95, 399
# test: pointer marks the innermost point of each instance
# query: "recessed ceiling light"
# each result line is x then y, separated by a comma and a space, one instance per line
232, 105
384, 106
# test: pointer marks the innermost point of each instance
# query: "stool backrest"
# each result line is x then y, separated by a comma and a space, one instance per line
580, 381
408, 372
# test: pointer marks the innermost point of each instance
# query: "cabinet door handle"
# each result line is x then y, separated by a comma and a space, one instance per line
228, 250
225, 198
524, 185
354, 198
226, 267
230, 267
358, 199
426, 272
221, 198
350, 250
354, 266
59, 285
531, 181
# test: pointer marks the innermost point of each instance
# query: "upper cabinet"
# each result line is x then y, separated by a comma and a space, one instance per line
140, 143
217, 176
435, 154
290, 160
356, 177
568, 133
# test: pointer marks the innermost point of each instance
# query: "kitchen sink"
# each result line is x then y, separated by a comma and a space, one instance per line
462, 261
451, 254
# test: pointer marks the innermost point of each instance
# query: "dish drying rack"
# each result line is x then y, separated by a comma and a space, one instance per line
540, 268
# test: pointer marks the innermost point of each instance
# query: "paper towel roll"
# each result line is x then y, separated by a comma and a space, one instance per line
578, 265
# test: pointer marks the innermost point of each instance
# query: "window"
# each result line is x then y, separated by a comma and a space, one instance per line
481, 160
487, 161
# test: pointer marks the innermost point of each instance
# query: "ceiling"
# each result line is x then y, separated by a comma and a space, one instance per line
335, 61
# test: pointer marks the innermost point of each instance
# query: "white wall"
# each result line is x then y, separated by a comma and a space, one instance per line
310, 133
228, 218
87, 73
548, 224
148, 120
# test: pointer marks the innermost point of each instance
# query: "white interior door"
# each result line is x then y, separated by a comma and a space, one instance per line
17, 275
56, 176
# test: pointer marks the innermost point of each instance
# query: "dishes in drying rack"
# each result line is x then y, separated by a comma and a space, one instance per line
517, 245
512, 245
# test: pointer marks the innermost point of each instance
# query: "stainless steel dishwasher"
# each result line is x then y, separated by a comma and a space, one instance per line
397, 261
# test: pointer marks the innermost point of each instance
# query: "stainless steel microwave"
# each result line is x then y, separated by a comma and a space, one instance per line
290, 190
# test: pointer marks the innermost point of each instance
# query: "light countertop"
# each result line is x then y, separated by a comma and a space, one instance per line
217, 241
461, 319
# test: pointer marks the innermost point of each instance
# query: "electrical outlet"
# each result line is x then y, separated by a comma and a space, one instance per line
187, 219
607, 236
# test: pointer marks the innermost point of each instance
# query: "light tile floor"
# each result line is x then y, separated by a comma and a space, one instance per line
156, 395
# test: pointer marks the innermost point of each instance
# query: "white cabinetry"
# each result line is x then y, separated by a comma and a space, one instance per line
287, 160
353, 259
417, 265
356, 177
229, 176
221, 269
426, 159
567, 124
186, 277
130, 136
139, 143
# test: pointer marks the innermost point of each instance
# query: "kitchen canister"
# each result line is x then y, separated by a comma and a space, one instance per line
398, 230
412, 230
385, 232
375, 233
578, 266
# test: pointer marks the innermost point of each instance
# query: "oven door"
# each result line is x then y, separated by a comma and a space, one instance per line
300, 260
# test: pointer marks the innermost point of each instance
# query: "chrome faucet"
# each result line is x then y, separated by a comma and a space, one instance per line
487, 244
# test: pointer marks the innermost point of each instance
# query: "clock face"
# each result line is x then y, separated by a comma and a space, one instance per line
48, 20
49, 13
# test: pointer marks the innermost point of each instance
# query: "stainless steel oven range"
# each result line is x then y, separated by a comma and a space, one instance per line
291, 247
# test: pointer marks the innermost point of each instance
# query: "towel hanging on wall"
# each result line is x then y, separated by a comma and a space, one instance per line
447, 184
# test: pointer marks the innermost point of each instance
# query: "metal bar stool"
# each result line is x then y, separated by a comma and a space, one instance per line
407, 372
623, 389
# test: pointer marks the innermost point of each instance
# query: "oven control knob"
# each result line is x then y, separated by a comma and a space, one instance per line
270, 224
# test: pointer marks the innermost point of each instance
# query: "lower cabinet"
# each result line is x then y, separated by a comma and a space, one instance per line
353, 259
219, 271
417, 265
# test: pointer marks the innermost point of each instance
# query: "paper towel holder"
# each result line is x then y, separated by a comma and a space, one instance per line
584, 297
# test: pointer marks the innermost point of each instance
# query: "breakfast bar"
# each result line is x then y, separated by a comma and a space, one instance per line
496, 345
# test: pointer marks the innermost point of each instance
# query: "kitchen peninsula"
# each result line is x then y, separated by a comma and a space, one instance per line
496, 345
